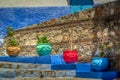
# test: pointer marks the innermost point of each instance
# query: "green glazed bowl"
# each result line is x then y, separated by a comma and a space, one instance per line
43, 49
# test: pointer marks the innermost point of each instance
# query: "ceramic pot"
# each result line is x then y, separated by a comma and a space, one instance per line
70, 56
13, 50
99, 64
43, 49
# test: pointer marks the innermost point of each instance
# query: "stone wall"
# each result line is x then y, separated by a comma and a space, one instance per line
57, 30
84, 25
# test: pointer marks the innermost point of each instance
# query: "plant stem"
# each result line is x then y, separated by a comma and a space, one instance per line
70, 31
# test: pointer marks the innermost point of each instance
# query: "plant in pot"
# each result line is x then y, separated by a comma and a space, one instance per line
43, 46
70, 55
100, 61
12, 48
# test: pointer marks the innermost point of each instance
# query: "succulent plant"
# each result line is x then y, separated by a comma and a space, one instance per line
10, 33
42, 39
13, 42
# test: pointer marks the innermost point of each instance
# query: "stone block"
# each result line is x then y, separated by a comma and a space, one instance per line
83, 67
43, 60
36, 60
21, 73
13, 65
110, 75
63, 67
57, 59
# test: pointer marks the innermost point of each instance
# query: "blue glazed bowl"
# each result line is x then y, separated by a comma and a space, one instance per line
99, 64
43, 49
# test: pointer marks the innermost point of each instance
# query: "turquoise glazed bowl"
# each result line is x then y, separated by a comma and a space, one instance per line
43, 49
99, 64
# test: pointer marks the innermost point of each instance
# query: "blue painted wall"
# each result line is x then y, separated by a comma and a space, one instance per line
21, 17
80, 5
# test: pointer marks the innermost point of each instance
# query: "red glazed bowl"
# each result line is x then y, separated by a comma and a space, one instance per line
70, 56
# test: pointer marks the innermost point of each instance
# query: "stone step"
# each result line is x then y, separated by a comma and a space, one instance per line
56, 79
13, 65
48, 79
107, 75
82, 67
35, 60
21, 73
63, 67
7, 78
47, 59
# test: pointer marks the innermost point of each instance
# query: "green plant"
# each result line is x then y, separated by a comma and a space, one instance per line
42, 39
105, 43
10, 31
13, 42
104, 47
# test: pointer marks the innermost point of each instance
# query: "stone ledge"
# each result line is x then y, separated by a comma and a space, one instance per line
22, 59
21, 73
109, 75
56, 79
13, 65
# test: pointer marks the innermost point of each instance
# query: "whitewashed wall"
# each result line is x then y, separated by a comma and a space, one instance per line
36, 3
103, 1
32, 3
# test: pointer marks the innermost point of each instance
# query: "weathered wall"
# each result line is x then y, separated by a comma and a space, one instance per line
57, 30
108, 16
88, 23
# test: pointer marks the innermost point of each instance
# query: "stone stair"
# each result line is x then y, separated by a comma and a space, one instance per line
53, 68
13, 65
48, 79
23, 73
56, 79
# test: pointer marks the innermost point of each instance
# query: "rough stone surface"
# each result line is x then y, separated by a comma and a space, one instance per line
11, 65
21, 73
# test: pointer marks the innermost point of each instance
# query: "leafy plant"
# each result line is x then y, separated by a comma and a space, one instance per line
42, 39
12, 42
105, 43
10, 31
